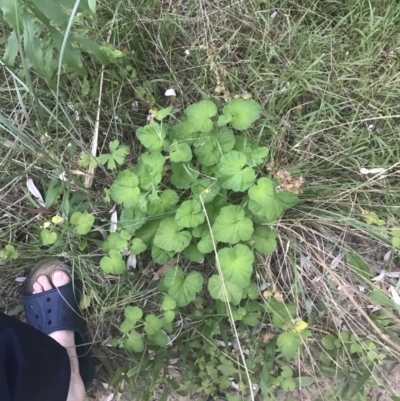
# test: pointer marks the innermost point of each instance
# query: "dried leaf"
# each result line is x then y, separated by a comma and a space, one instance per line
163, 269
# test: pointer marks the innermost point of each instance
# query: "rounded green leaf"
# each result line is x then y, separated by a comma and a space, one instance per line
169, 236
183, 289
152, 325
206, 189
134, 342
152, 136
132, 219
243, 113
11, 252
113, 264
236, 264
180, 152
193, 253
259, 155
232, 172
264, 240
205, 245
159, 205
289, 344
147, 232
183, 175
232, 226
161, 114
114, 242
83, 222
127, 325
168, 303
160, 339
160, 256
133, 313
208, 153
232, 292
125, 189
199, 115
189, 214
48, 237
169, 316
150, 169
137, 246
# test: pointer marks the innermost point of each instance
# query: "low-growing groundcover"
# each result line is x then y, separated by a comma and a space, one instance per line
197, 206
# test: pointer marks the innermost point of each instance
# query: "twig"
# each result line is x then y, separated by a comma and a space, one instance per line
90, 170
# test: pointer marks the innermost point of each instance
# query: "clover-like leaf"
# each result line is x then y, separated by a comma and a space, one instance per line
236, 264
48, 237
152, 325
83, 222
180, 152
132, 219
169, 316
150, 169
232, 172
183, 175
199, 115
183, 289
232, 226
113, 264
206, 189
152, 136
125, 189
189, 214
115, 241
159, 205
231, 292
134, 342
289, 344
116, 156
137, 246
264, 240
170, 237
243, 113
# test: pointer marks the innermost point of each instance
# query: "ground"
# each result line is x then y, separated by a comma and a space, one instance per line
326, 76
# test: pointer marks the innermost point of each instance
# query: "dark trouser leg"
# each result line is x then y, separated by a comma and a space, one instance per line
33, 366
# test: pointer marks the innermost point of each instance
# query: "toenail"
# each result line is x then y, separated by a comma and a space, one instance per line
58, 275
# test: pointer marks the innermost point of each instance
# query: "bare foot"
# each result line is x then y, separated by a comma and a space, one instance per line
64, 337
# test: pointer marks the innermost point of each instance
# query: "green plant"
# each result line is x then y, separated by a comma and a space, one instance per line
38, 37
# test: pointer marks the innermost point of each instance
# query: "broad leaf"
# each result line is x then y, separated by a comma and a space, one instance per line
180, 152
160, 339
193, 254
134, 342
115, 241
150, 169
131, 219
83, 222
232, 292
137, 246
232, 172
205, 244
289, 344
232, 226
170, 237
264, 240
152, 325
183, 175
159, 205
236, 264
258, 156
189, 214
183, 289
113, 264
147, 232
152, 136
161, 114
48, 237
242, 113
125, 189
206, 189
199, 115
160, 256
